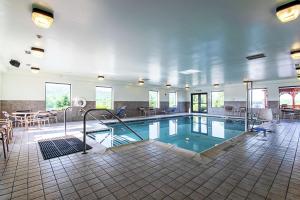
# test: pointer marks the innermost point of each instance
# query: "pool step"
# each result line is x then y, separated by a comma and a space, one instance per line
119, 140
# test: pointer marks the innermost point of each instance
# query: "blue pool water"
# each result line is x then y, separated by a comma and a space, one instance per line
195, 133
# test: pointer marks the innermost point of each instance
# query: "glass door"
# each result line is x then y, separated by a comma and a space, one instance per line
199, 102
203, 102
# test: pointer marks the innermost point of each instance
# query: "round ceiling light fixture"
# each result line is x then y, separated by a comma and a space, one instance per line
288, 12
35, 70
295, 54
38, 52
100, 78
42, 18
141, 82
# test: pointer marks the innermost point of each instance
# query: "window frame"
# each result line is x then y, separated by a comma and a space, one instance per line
265, 100
57, 84
211, 98
158, 99
112, 96
176, 100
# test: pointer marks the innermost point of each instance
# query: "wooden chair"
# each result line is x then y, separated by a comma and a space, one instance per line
53, 115
4, 139
8, 125
34, 119
44, 117
16, 120
229, 109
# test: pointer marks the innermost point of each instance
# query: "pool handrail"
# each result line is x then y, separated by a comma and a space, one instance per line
102, 109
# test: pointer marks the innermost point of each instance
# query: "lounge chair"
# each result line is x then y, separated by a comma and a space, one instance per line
265, 121
121, 112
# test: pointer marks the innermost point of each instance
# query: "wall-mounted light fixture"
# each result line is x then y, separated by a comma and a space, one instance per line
295, 54
187, 87
35, 70
42, 18
38, 52
168, 85
288, 12
141, 82
100, 78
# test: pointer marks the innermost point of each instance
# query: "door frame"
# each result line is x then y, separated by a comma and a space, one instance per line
199, 102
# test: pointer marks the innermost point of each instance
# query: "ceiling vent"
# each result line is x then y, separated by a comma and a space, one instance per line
256, 56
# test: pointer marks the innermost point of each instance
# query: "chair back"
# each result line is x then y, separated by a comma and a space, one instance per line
121, 111
228, 108
5, 114
242, 109
265, 114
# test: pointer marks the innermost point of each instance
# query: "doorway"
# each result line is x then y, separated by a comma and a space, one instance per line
199, 102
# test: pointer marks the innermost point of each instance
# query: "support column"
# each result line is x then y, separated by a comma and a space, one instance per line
247, 106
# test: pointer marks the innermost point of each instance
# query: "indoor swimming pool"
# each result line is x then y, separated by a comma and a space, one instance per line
194, 133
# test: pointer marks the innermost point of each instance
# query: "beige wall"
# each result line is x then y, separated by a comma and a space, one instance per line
21, 86
237, 92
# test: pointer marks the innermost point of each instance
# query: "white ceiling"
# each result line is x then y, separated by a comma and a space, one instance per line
155, 39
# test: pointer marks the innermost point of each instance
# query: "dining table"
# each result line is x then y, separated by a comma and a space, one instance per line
25, 116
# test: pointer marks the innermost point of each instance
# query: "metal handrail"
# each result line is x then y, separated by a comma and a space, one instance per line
65, 116
101, 109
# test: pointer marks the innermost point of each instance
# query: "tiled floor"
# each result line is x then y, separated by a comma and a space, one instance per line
252, 169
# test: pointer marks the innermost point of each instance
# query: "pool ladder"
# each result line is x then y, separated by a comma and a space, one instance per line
115, 116
84, 123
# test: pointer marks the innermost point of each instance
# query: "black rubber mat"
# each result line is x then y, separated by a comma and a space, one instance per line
60, 147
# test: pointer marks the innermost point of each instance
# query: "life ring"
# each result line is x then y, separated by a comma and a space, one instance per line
80, 102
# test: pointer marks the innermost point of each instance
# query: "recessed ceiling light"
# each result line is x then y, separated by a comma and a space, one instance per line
168, 85
42, 18
35, 70
141, 82
288, 12
190, 71
38, 52
295, 54
100, 78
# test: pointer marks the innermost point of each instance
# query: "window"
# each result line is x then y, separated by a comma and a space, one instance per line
217, 99
259, 99
172, 99
104, 97
153, 99
289, 97
58, 96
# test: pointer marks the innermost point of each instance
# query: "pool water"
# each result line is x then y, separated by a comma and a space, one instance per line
195, 133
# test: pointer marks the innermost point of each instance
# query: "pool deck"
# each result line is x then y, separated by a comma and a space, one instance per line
251, 167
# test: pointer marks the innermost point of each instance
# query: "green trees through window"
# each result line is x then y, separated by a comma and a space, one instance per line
153, 99
173, 99
104, 97
58, 96
217, 99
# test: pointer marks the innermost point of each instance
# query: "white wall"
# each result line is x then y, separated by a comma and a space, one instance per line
237, 92
1, 85
28, 86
